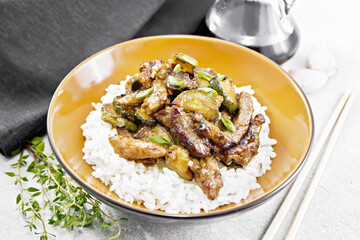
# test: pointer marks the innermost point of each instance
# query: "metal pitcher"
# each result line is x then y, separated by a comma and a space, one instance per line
263, 25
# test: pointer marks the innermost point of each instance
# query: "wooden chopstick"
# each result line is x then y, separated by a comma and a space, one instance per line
285, 206
320, 168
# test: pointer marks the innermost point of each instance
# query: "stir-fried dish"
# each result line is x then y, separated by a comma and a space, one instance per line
188, 117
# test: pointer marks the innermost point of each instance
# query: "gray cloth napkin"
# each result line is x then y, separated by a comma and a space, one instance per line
42, 40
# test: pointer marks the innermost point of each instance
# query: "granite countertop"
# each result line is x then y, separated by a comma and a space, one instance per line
334, 212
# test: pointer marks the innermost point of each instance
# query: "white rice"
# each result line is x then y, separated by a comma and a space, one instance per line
157, 187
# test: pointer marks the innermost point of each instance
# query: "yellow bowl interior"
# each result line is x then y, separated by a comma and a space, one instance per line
290, 114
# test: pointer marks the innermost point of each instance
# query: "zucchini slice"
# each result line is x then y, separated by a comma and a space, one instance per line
226, 89
198, 100
186, 62
128, 114
202, 76
109, 115
186, 58
143, 117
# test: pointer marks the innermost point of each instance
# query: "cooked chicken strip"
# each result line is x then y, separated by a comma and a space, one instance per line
207, 175
181, 125
132, 84
148, 162
148, 72
249, 144
242, 120
211, 131
157, 99
177, 160
164, 70
129, 100
123, 132
145, 80
152, 69
132, 149
188, 83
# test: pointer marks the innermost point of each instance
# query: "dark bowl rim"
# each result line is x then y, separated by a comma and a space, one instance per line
93, 191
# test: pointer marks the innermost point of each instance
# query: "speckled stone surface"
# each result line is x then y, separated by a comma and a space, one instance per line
334, 212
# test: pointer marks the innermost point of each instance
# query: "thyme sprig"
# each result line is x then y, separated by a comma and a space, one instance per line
51, 190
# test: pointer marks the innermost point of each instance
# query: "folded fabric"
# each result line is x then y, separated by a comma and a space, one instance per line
178, 17
42, 40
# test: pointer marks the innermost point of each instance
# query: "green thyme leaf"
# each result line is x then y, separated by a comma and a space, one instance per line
204, 75
177, 68
18, 198
70, 205
10, 174
186, 58
144, 93
228, 124
44, 237
32, 189
209, 90
15, 152
174, 83
159, 140
36, 194
36, 141
104, 226
40, 147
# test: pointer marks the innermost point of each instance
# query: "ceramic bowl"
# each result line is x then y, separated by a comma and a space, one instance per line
290, 113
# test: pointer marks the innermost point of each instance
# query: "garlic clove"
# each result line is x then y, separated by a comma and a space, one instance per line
309, 80
321, 59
